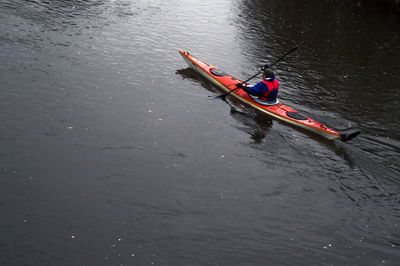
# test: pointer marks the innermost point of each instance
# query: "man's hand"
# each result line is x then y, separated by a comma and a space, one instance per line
243, 87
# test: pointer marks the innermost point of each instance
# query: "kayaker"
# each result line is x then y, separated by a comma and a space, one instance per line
266, 89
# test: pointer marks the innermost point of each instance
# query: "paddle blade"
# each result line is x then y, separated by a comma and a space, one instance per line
222, 96
345, 137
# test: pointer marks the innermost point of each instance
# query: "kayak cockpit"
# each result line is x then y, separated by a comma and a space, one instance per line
262, 102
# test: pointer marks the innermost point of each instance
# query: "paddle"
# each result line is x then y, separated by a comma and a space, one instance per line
345, 137
266, 66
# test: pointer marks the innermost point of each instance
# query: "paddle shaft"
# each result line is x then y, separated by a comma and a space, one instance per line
229, 92
276, 61
283, 56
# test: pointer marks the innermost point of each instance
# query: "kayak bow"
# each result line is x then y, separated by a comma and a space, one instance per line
279, 111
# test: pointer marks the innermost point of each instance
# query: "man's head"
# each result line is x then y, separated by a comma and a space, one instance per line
268, 73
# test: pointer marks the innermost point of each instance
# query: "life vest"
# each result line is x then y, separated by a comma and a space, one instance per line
272, 93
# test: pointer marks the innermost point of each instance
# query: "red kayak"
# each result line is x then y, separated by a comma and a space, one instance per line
277, 110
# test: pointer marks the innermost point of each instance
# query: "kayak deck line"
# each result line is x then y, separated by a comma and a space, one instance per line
279, 111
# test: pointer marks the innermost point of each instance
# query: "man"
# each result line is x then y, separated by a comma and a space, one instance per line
266, 90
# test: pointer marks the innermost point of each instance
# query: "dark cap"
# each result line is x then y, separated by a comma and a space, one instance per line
269, 73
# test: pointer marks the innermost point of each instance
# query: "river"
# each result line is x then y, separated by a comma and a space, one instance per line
113, 152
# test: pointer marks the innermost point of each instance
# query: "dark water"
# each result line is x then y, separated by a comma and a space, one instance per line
112, 153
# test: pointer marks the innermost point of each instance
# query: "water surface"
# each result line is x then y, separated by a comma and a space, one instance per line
113, 153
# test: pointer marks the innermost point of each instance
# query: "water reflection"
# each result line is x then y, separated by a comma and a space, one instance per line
253, 123
256, 126
188, 73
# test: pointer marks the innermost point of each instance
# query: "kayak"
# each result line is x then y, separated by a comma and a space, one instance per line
277, 110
